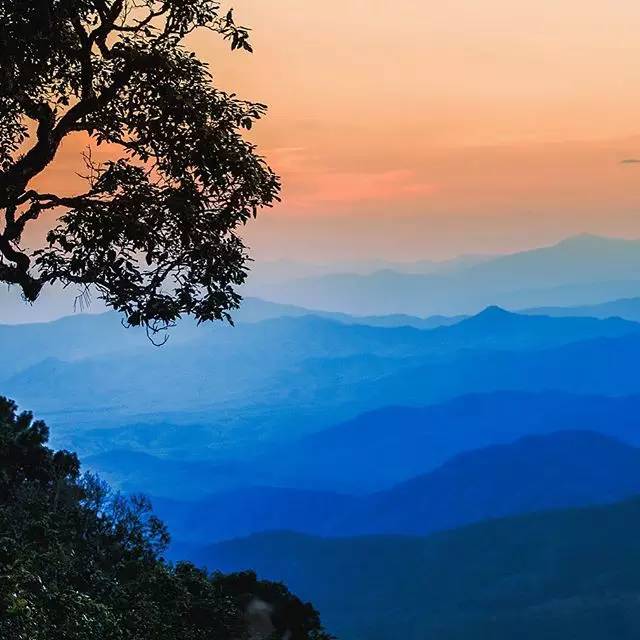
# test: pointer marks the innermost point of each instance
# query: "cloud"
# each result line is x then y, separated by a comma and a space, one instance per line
350, 187
310, 183
630, 161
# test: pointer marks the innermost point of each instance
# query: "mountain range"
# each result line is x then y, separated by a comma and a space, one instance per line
561, 469
272, 271
580, 270
246, 389
627, 308
257, 310
559, 574
416, 459
372, 452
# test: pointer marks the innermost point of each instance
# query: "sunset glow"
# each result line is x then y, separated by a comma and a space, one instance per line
469, 126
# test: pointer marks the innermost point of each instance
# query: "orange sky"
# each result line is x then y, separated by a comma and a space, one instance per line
421, 128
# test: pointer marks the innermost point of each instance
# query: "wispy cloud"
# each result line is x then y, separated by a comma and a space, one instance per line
310, 183
349, 187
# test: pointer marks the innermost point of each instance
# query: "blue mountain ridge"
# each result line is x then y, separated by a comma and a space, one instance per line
561, 469
568, 573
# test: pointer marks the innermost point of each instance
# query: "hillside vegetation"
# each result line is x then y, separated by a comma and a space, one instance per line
81, 563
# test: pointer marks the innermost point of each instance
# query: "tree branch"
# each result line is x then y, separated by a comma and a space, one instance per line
49, 139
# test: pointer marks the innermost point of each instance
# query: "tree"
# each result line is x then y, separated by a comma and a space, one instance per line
156, 230
80, 562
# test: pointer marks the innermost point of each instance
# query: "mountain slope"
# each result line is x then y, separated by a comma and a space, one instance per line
496, 328
380, 448
370, 453
554, 575
557, 470
243, 511
563, 469
238, 392
627, 308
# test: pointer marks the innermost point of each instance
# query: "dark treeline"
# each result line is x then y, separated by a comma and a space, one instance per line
80, 562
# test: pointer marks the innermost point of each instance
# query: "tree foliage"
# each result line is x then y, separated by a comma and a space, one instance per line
78, 562
155, 231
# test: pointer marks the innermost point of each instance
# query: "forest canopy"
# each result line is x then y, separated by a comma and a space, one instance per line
81, 562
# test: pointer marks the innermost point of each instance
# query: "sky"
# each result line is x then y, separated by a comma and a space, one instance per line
411, 129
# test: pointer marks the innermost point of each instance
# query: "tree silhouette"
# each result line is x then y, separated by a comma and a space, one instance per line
155, 231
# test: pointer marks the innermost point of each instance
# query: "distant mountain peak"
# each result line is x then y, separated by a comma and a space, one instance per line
491, 313
495, 310
590, 240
